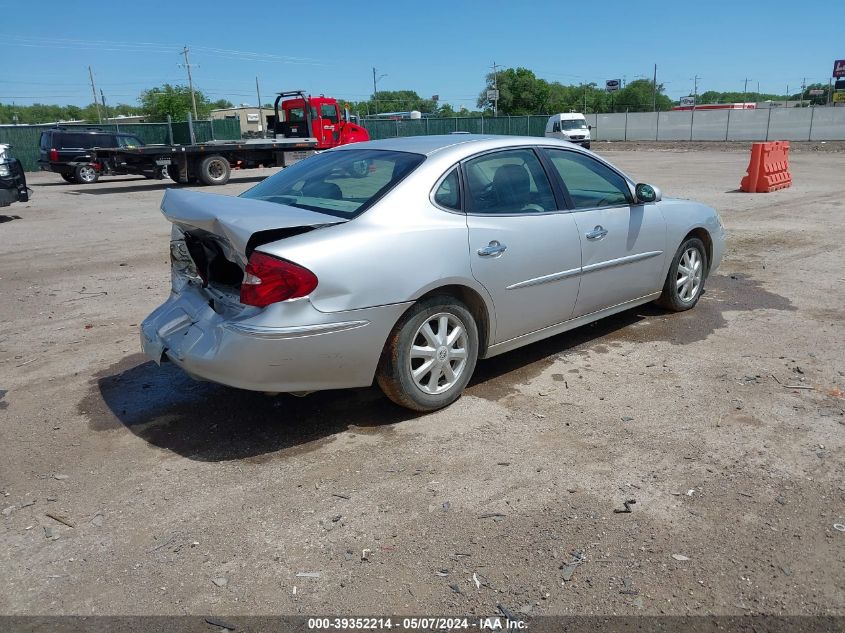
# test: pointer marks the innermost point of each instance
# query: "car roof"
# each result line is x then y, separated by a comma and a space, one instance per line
453, 143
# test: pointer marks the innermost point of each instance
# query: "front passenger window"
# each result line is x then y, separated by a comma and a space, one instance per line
590, 183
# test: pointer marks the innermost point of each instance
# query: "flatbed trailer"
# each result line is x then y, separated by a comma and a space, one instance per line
210, 163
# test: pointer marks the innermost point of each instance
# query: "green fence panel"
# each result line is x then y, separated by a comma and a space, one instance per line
226, 129
24, 141
505, 125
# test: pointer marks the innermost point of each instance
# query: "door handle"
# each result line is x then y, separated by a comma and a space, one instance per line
493, 249
597, 233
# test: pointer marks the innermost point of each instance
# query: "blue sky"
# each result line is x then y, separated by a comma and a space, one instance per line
432, 47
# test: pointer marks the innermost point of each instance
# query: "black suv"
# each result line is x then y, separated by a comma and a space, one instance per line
68, 152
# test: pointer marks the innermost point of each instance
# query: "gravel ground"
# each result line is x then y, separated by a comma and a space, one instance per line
130, 489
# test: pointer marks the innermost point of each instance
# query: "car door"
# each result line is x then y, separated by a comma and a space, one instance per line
622, 242
523, 243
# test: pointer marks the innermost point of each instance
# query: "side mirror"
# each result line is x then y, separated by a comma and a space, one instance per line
589, 127
647, 193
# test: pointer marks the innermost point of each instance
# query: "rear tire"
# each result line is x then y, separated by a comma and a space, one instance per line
86, 174
215, 170
430, 355
68, 178
586, 146
685, 281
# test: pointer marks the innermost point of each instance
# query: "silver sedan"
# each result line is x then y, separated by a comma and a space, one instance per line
407, 260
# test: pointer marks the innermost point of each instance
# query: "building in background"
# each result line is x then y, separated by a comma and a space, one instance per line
253, 120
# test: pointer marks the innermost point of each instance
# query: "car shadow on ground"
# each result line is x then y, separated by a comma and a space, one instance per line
209, 422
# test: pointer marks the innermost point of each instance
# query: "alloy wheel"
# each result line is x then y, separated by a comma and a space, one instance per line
439, 353
688, 279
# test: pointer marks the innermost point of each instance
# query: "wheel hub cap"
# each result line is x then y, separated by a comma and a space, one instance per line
690, 274
438, 355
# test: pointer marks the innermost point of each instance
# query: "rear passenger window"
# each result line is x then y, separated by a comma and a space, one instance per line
511, 181
448, 193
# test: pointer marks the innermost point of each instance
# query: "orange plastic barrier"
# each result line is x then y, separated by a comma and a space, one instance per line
769, 168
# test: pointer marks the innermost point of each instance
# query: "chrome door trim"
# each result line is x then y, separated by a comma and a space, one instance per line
610, 263
538, 335
536, 281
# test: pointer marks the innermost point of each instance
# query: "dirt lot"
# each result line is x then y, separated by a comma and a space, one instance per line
192, 498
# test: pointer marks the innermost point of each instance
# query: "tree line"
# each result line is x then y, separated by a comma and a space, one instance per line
521, 92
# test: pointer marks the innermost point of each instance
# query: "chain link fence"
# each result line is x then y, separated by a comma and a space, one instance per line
25, 139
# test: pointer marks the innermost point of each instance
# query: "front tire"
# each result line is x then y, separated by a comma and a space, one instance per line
86, 174
430, 355
214, 170
685, 281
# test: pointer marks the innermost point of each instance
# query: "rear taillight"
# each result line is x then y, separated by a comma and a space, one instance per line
54, 155
269, 279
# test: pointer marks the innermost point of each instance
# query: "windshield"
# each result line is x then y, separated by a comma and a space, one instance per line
342, 184
573, 124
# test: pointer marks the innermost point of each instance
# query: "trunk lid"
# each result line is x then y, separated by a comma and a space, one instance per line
238, 220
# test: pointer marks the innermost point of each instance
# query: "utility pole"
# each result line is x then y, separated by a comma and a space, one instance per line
496, 88
695, 91
803, 90
190, 81
94, 92
260, 114
654, 91
375, 89
745, 93
105, 108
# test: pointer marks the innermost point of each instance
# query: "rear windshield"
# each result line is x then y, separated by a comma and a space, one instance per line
342, 183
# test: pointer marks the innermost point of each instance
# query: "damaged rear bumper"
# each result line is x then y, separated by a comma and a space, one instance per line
311, 352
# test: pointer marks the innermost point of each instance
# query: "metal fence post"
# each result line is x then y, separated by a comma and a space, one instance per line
728, 126
812, 114
509, 125
426, 126
656, 126
625, 136
397, 128
211, 123
768, 121
169, 130
691, 121
482, 124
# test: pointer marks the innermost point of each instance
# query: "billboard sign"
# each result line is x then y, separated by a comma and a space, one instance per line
839, 97
612, 85
687, 101
492, 95
815, 92
839, 68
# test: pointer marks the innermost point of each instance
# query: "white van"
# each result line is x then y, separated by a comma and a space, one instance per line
569, 126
